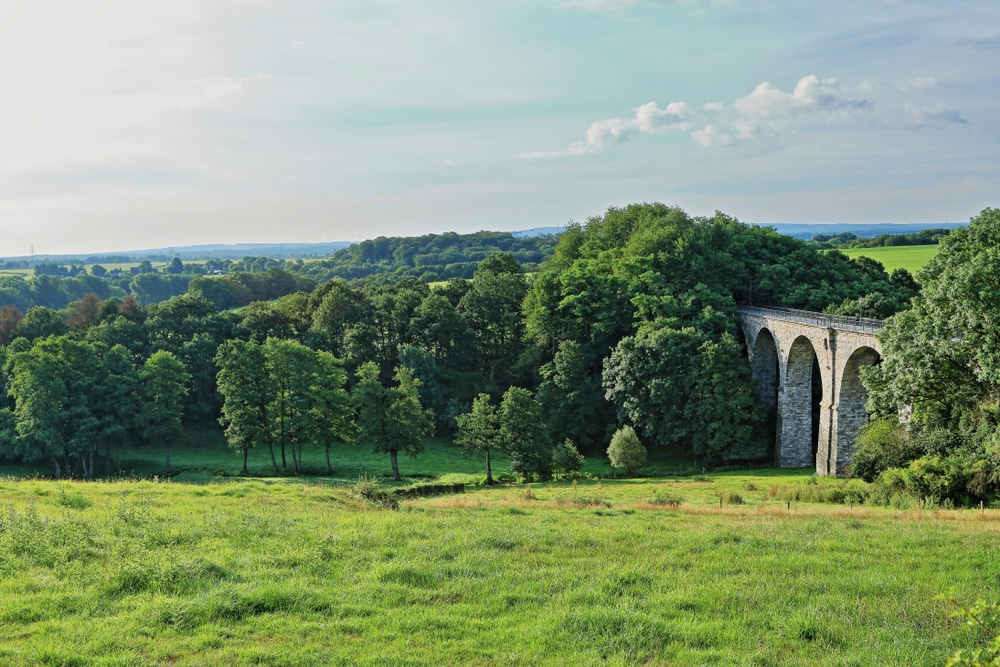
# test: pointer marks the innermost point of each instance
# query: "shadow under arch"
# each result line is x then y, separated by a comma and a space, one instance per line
765, 370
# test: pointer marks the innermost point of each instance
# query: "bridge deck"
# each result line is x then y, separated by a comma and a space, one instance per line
859, 324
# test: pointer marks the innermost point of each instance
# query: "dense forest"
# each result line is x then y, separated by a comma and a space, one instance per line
628, 323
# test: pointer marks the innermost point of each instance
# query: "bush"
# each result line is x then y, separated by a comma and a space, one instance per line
626, 452
423, 490
566, 459
369, 490
882, 444
730, 497
666, 499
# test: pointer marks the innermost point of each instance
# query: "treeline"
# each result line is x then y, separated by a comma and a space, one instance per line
73, 297
941, 372
429, 258
847, 240
629, 323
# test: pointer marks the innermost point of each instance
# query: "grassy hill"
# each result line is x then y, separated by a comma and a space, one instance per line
732, 569
912, 258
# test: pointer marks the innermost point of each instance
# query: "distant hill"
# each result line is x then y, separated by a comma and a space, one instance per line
807, 231
198, 252
537, 231
294, 250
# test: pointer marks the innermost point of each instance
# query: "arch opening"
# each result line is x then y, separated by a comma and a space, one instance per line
766, 370
852, 414
801, 406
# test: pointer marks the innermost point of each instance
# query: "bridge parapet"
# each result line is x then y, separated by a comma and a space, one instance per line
845, 322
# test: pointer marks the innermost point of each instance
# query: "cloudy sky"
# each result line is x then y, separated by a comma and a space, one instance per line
130, 124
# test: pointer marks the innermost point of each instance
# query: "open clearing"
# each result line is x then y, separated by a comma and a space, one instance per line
910, 257
283, 572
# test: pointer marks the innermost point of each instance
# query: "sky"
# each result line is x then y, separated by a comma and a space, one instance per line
127, 125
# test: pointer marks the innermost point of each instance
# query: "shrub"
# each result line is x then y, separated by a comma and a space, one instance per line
666, 499
566, 459
369, 490
730, 497
882, 444
626, 452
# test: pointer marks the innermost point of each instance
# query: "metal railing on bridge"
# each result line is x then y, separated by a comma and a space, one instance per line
862, 324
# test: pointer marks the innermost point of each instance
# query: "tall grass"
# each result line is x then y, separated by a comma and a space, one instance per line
284, 573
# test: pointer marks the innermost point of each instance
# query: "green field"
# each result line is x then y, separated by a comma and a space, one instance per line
912, 257
726, 569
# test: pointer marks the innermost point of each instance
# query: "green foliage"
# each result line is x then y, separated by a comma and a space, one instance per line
248, 389
481, 430
163, 383
882, 444
626, 451
429, 258
682, 387
522, 429
940, 357
664, 498
390, 418
369, 490
982, 616
566, 460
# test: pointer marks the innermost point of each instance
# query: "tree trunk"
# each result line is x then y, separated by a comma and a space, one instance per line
489, 470
118, 458
329, 468
395, 465
284, 462
107, 457
246, 451
168, 460
274, 462
55, 467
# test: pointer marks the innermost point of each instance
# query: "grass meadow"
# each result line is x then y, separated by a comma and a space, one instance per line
727, 569
911, 257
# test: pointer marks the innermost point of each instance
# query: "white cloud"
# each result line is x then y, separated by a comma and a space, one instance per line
604, 134
933, 113
650, 117
811, 95
759, 115
711, 136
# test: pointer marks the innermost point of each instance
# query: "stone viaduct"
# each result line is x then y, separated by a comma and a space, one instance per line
790, 352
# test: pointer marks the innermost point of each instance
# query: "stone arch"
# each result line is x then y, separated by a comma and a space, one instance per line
800, 418
765, 367
766, 372
851, 411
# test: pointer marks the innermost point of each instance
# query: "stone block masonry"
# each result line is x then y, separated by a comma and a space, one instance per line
783, 345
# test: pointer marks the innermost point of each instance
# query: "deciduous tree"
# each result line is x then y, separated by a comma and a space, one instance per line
164, 384
391, 418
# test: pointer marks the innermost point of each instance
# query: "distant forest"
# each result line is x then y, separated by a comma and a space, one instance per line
235, 283
848, 240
